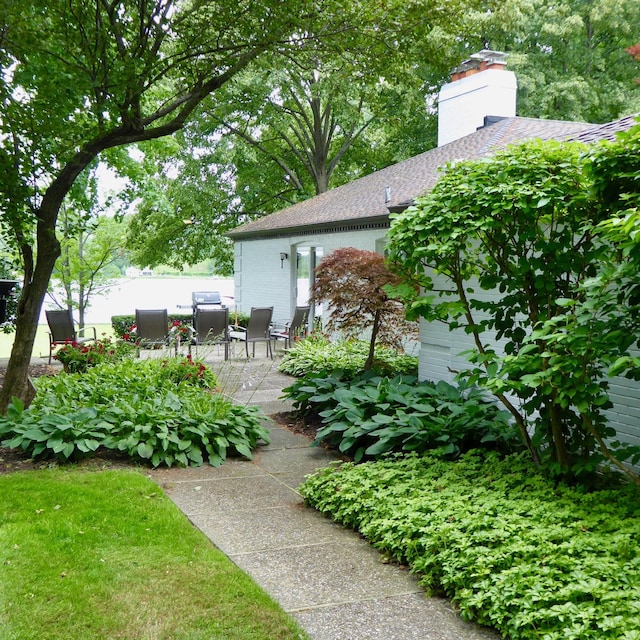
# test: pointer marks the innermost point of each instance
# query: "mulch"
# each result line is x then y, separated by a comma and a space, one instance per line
307, 426
12, 460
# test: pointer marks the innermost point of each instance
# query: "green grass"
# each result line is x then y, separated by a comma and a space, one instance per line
107, 555
41, 344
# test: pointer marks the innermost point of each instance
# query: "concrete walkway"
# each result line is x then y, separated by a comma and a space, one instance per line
327, 577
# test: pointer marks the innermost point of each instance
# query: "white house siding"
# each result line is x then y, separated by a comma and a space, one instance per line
276, 284
441, 350
625, 415
440, 357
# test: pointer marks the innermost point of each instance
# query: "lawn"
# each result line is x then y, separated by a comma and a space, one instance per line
41, 344
105, 554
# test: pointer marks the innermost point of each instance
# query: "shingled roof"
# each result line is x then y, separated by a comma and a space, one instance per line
606, 131
367, 201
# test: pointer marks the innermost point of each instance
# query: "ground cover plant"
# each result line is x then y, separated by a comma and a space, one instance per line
371, 415
163, 412
317, 353
97, 555
511, 549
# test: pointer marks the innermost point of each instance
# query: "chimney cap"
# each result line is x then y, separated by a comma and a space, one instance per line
490, 55
480, 61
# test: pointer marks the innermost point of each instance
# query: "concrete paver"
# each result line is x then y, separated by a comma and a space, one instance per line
327, 577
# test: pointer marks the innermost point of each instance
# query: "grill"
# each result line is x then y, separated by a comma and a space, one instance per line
204, 299
199, 298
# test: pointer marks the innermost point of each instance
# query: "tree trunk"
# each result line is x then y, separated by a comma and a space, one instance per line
372, 342
81, 277
563, 457
16, 381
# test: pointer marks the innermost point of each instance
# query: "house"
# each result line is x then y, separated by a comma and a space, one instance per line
275, 255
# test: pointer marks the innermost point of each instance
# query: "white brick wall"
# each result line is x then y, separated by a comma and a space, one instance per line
440, 351
260, 280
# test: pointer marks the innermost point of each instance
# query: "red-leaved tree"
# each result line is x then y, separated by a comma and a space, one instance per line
352, 282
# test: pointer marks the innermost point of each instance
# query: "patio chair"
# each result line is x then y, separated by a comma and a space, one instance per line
62, 329
211, 328
258, 330
294, 329
152, 327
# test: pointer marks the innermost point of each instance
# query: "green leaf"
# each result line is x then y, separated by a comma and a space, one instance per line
244, 450
36, 435
145, 450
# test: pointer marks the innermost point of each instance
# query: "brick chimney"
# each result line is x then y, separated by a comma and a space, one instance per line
480, 88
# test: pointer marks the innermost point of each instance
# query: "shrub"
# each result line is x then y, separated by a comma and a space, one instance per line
316, 353
371, 416
122, 324
153, 410
78, 357
534, 253
530, 557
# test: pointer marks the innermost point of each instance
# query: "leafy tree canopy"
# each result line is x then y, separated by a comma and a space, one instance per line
292, 128
81, 77
289, 128
570, 57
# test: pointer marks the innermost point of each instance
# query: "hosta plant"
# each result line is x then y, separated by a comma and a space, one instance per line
316, 353
153, 410
371, 415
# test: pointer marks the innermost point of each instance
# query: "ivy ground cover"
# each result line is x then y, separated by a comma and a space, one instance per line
511, 549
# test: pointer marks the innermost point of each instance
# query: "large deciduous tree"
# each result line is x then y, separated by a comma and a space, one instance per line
570, 56
80, 77
291, 128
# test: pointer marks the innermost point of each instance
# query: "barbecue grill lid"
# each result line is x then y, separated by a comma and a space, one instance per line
206, 297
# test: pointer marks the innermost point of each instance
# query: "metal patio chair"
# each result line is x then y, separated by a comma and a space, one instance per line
62, 330
295, 328
258, 330
152, 328
211, 328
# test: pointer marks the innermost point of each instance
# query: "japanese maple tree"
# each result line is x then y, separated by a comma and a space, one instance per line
83, 79
353, 282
